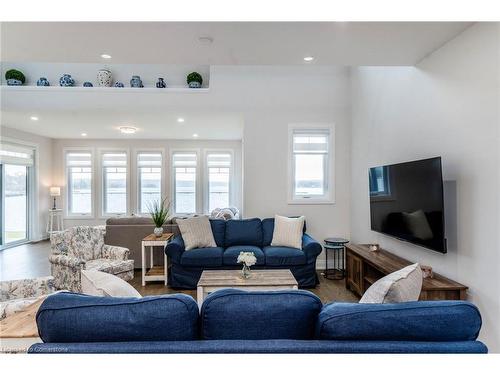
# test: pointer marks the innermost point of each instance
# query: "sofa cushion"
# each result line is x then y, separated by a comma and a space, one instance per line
268, 229
203, 257
408, 321
70, 317
284, 256
196, 232
243, 232
232, 252
218, 230
231, 314
288, 231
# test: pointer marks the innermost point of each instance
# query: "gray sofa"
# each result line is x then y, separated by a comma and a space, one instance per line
129, 231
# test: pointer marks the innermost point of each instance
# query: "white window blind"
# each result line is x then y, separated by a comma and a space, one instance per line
79, 182
219, 174
149, 179
310, 163
16, 154
118, 159
185, 168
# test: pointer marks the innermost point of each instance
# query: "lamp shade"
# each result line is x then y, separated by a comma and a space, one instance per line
55, 191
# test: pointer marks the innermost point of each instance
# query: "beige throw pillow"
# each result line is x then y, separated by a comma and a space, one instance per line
400, 286
102, 284
288, 231
196, 232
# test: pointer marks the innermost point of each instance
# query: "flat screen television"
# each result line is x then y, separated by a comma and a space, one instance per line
406, 202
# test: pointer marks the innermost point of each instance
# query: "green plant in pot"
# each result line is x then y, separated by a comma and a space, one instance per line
194, 80
159, 210
15, 77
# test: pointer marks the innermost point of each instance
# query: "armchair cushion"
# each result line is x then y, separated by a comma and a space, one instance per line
115, 252
65, 260
111, 266
86, 242
284, 256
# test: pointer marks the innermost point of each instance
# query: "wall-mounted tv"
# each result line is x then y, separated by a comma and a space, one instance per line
406, 202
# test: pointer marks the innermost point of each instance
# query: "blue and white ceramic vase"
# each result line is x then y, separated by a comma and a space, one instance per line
14, 82
88, 84
161, 83
104, 78
66, 80
42, 81
136, 82
119, 84
194, 85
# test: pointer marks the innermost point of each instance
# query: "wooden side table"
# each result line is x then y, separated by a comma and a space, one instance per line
155, 273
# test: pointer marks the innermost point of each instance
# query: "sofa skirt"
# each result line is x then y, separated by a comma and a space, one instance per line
182, 277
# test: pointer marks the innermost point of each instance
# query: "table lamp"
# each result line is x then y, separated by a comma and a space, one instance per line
55, 191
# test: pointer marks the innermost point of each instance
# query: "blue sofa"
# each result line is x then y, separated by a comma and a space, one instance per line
235, 321
234, 236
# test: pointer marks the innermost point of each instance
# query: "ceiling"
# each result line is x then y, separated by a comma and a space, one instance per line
234, 43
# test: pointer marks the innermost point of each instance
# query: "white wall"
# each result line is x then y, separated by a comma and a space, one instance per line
446, 106
43, 176
166, 146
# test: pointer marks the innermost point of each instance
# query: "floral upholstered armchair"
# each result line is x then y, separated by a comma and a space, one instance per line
15, 295
83, 248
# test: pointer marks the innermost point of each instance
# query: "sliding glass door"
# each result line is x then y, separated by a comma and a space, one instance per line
15, 187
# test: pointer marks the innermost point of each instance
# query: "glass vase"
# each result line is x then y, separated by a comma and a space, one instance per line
245, 271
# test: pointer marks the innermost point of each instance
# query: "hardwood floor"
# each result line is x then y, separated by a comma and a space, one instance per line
31, 260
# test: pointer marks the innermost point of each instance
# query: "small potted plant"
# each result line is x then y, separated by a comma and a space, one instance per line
248, 259
194, 80
159, 210
15, 77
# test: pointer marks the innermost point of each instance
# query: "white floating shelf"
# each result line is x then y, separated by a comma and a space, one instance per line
113, 90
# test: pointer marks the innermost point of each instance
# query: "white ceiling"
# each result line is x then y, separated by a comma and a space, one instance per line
251, 43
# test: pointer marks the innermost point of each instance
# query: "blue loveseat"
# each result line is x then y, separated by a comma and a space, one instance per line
234, 236
235, 321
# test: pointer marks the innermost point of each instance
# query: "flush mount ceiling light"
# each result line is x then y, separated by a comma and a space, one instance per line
83, 134
105, 56
206, 40
34, 118
127, 129
180, 119
195, 135
308, 58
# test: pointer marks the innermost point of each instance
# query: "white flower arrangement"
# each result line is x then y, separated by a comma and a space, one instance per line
247, 258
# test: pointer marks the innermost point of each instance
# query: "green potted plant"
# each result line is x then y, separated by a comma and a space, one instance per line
159, 210
194, 80
15, 77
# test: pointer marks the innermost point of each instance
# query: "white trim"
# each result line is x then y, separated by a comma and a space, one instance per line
199, 186
135, 175
207, 151
330, 196
65, 195
101, 152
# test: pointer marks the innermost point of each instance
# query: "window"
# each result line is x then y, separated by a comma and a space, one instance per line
184, 166
219, 179
149, 179
79, 183
311, 176
114, 183
379, 182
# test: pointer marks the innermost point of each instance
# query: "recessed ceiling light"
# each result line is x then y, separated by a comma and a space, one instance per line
128, 129
34, 118
308, 58
195, 135
206, 40
83, 134
180, 119
105, 56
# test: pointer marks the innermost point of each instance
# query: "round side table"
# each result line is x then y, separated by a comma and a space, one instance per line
337, 246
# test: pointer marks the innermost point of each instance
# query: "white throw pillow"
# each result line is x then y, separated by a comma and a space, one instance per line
196, 232
102, 284
404, 285
288, 231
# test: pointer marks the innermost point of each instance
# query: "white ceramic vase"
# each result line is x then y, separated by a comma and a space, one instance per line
158, 231
104, 78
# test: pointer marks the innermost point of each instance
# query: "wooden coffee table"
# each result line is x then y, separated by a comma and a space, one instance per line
19, 330
264, 280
